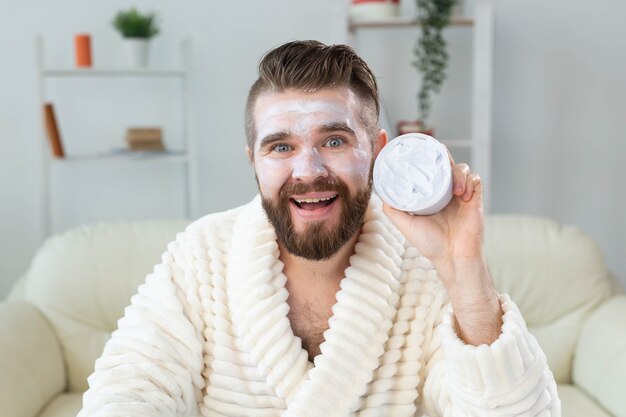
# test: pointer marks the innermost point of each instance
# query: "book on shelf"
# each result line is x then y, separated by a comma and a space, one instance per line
144, 139
53, 132
146, 147
143, 133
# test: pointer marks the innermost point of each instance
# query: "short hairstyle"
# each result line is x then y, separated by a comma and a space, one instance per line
310, 66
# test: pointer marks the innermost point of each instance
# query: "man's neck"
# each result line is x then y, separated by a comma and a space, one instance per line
312, 273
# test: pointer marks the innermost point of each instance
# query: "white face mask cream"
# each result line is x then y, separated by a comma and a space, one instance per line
412, 173
311, 131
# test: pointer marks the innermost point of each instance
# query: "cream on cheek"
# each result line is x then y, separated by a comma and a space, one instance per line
272, 174
353, 163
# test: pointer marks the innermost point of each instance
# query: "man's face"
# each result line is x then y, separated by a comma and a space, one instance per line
313, 161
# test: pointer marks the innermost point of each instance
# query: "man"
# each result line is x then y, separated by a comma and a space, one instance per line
315, 299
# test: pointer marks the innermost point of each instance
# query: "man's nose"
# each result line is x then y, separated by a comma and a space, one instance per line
308, 166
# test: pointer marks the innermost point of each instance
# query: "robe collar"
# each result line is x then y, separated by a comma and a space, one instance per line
358, 329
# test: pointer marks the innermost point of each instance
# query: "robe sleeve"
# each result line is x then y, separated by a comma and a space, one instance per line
153, 362
510, 377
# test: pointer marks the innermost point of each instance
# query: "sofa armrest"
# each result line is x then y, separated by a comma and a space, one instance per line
18, 290
31, 363
600, 359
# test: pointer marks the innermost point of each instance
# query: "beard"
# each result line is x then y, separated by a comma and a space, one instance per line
317, 241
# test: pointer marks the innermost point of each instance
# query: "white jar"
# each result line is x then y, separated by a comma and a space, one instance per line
412, 173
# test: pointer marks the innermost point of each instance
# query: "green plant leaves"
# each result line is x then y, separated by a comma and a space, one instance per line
430, 51
133, 24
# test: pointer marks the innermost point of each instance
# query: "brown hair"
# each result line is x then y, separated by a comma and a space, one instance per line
310, 66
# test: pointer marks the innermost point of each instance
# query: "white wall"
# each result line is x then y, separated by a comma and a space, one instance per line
559, 102
560, 116
229, 38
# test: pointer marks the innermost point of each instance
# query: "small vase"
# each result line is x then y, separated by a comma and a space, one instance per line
370, 10
136, 52
82, 48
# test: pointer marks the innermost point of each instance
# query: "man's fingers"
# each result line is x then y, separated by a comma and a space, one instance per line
460, 175
472, 186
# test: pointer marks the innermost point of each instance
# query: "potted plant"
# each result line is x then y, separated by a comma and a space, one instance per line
431, 55
136, 29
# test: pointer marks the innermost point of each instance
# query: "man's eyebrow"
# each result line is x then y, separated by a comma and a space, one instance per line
332, 127
273, 137
284, 134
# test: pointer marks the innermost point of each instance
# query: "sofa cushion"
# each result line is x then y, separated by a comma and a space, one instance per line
575, 403
31, 362
64, 405
600, 362
82, 280
556, 274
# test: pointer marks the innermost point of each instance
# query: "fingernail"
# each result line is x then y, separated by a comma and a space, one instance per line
458, 188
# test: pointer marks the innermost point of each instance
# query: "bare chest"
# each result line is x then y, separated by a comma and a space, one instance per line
309, 321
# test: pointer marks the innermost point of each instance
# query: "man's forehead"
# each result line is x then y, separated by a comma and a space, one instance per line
304, 108
338, 101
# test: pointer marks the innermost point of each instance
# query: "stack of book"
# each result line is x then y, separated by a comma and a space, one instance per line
144, 139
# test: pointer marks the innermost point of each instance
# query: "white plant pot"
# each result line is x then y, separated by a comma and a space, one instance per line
364, 11
136, 50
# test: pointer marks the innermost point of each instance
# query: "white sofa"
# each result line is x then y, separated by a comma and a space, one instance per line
59, 315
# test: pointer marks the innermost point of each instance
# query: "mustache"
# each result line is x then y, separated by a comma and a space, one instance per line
320, 184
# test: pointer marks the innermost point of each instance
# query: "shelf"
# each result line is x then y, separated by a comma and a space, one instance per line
112, 72
476, 142
400, 22
104, 156
131, 156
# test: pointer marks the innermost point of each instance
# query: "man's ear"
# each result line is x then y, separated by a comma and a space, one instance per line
250, 154
379, 142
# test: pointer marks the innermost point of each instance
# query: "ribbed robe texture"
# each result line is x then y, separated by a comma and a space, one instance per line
207, 334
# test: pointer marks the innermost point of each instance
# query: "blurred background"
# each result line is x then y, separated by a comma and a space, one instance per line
556, 126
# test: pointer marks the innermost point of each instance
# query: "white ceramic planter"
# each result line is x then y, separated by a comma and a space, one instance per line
363, 10
136, 50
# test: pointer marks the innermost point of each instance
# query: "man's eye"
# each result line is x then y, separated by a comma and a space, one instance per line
334, 142
282, 148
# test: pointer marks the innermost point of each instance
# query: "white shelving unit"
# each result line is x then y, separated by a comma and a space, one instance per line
184, 157
479, 140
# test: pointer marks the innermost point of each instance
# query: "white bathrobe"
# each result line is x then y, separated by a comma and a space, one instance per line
208, 334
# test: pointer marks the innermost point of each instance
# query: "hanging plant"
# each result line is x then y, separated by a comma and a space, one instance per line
430, 51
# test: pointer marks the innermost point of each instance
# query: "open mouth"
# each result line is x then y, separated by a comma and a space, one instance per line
313, 203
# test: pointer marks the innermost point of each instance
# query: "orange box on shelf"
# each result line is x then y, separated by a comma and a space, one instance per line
82, 47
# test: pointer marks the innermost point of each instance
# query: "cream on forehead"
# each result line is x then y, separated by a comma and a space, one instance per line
304, 107
345, 99
300, 116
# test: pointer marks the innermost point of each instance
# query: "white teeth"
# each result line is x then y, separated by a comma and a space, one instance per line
313, 200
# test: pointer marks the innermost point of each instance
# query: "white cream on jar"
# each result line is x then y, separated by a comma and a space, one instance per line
412, 173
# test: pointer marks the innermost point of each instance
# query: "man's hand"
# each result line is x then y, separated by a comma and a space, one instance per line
453, 240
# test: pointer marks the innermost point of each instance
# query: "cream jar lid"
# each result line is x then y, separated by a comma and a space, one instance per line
412, 173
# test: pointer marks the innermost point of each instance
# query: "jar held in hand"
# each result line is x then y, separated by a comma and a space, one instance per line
412, 173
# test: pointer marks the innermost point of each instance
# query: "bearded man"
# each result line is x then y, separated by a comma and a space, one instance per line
315, 299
